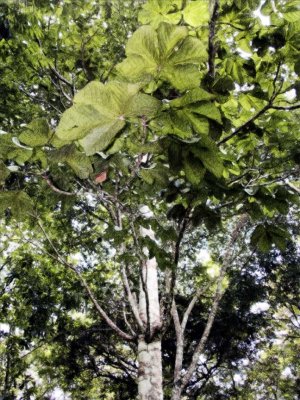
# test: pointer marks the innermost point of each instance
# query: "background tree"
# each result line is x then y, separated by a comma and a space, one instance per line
190, 145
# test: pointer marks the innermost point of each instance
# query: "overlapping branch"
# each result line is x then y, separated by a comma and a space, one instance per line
59, 258
268, 106
181, 382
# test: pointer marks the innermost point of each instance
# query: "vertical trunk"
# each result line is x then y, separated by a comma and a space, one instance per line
150, 370
149, 346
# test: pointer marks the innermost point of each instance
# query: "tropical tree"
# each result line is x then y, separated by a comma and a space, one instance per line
189, 143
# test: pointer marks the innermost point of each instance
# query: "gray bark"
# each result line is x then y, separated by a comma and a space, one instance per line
150, 370
149, 345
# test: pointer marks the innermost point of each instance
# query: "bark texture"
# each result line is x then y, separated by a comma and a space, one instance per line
149, 345
150, 370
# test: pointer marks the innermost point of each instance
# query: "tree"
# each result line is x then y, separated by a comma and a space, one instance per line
191, 138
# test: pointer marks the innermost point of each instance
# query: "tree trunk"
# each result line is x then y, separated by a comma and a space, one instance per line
149, 346
150, 370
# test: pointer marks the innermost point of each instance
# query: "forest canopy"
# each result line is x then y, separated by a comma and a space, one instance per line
149, 199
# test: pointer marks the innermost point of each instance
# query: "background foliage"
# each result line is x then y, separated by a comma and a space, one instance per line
197, 124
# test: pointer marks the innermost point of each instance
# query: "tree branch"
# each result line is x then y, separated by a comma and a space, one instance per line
180, 329
61, 78
39, 99
91, 295
131, 300
245, 125
259, 113
56, 189
191, 305
217, 298
286, 108
211, 39
126, 320
293, 187
166, 304
179, 342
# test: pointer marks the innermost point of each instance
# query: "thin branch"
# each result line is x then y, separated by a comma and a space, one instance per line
259, 113
60, 77
180, 329
93, 214
191, 305
127, 363
166, 303
91, 295
286, 108
245, 125
64, 93
56, 189
60, 88
215, 305
181, 235
211, 39
276, 92
293, 187
127, 322
138, 162
7, 261
33, 350
101, 312
131, 299
179, 342
39, 100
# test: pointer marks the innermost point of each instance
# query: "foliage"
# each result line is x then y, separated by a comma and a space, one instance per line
195, 120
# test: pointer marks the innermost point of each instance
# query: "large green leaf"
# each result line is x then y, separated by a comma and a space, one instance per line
6, 145
37, 133
142, 105
169, 37
156, 11
264, 235
207, 109
182, 67
199, 124
292, 14
208, 153
181, 76
168, 53
279, 236
77, 160
261, 239
211, 160
195, 111
197, 13
100, 111
142, 52
192, 96
19, 155
193, 169
101, 136
173, 122
182, 123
